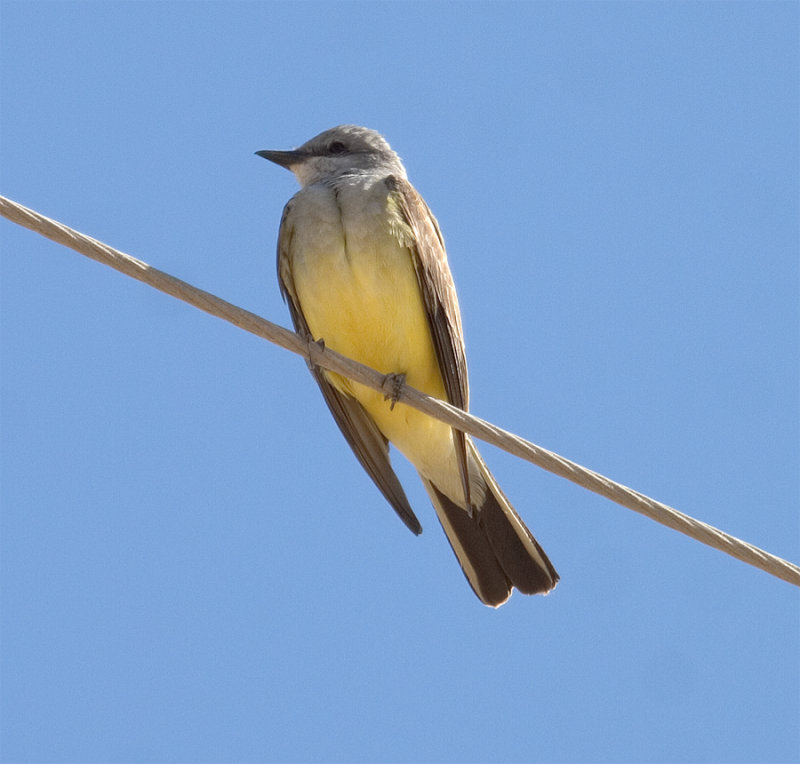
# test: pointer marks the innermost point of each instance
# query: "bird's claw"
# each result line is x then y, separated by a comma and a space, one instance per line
396, 383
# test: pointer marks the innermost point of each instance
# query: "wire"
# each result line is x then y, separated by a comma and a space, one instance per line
318, 355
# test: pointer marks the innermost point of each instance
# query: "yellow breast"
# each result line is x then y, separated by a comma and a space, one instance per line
357, 285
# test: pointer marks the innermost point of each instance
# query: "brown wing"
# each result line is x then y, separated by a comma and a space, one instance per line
358, 428
441, 303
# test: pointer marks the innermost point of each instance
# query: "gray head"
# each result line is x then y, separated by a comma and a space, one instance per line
342, 150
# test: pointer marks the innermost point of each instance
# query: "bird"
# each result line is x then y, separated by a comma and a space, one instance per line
363, 268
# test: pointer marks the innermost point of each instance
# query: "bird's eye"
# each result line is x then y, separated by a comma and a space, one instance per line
337, 147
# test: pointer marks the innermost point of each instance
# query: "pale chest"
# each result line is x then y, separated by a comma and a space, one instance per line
355, 279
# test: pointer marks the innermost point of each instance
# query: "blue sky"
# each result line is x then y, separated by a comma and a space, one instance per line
194, 567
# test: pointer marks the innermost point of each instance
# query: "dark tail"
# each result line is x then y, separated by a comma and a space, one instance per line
496, 550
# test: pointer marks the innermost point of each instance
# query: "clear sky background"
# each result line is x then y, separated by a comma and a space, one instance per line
195, 568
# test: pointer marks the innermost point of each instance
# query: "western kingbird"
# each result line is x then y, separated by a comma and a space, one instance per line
362, 265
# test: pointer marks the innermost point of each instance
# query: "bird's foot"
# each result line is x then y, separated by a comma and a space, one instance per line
396, 382
313, 347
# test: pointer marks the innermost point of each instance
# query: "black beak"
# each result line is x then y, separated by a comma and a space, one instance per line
283, 158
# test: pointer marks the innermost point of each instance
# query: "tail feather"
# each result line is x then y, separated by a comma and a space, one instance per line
473, 549
496, 550
523, 560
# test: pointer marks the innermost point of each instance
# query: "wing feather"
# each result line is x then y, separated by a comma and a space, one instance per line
362, 434
441, 303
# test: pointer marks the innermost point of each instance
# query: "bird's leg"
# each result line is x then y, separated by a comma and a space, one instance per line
396, 383
317, 345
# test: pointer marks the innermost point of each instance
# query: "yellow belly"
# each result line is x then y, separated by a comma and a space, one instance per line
358, 291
